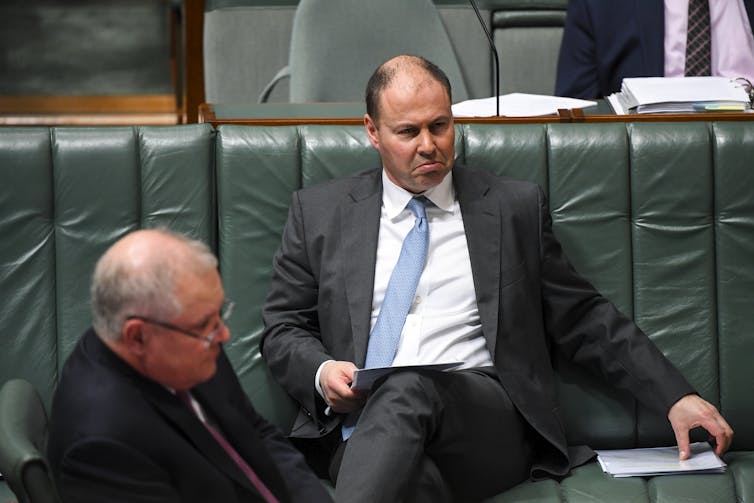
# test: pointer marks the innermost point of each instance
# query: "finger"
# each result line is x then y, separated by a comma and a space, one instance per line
682, 438
724, 438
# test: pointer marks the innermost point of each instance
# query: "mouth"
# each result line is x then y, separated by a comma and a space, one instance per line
428, 167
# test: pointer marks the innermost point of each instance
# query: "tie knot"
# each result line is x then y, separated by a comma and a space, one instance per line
418, 206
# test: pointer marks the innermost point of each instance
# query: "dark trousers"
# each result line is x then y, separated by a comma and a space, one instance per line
433, 436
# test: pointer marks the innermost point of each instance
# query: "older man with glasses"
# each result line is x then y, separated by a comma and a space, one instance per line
148, 407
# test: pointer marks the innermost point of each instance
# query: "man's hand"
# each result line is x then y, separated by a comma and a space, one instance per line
335, 380
692, 411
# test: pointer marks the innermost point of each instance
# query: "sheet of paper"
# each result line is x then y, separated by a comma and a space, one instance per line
659, 461
364, 378
518, 105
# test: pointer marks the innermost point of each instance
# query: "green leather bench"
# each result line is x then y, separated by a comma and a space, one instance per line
660, 216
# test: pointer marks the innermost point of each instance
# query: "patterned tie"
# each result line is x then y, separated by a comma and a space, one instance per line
242, 464
401, 288
698, 41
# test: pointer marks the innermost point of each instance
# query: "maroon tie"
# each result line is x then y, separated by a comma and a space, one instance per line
698, 41
242, 464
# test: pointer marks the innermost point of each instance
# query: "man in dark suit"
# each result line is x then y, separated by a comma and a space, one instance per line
496, 293
605, 41
148, 407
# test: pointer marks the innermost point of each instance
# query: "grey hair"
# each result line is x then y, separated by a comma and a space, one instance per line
120, 290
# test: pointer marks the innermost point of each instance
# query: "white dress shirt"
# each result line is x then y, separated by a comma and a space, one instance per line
443, 323
730, 31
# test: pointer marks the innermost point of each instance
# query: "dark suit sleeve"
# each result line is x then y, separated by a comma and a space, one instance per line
577, 75
588, 330
290, 468
292, 344
97, 470
303, 486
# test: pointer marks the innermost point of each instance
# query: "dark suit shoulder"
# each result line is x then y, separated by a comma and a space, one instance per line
329, 190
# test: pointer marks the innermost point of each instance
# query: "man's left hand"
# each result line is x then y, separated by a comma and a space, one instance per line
692, 411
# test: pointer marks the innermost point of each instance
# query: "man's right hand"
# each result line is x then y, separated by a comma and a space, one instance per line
335, 380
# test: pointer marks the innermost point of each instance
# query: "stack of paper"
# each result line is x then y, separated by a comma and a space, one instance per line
679, 95
660, 461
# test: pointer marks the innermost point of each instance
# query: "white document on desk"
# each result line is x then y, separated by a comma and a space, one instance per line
518, 105
659, 461
364, 378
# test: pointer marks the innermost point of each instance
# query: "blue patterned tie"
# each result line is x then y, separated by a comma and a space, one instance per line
383, 341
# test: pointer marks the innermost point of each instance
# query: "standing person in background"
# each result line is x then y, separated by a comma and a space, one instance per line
605, 41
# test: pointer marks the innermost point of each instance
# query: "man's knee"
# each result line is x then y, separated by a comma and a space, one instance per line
405, 385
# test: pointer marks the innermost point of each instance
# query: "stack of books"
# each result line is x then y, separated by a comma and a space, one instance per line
644, 95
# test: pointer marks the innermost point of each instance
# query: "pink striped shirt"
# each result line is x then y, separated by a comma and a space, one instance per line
732, 39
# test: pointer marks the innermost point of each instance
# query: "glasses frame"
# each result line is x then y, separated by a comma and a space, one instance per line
225, 311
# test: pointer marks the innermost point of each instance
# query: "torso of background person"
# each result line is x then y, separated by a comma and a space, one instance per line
607, 41
117, 436
529, 301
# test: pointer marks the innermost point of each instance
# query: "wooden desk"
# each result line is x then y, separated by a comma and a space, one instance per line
290, 114
350, 114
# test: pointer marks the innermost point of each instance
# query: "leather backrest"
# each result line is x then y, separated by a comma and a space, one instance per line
66, 194
527, 36
337, 44
657, 216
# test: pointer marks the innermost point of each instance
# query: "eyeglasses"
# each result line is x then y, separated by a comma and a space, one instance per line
225, 311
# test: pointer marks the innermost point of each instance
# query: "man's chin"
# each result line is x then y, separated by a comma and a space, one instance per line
429, 180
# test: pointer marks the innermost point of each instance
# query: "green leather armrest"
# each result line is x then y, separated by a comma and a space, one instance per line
23, 432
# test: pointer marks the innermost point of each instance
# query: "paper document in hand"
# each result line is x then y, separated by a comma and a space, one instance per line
364, 378
659, 461
518, 105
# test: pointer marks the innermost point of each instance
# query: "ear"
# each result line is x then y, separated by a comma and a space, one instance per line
133, 337
372, 133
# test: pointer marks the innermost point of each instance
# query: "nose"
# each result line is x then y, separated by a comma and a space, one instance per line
220, 335
426, 143
224, 334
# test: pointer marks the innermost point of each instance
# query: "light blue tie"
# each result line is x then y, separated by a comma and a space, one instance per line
383, 341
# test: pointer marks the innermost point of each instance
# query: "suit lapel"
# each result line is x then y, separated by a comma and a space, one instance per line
481, 220
172, 409
360, 223
191, 426
749, 5
651, 26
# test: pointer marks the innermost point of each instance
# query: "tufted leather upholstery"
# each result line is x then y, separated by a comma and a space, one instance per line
659, 216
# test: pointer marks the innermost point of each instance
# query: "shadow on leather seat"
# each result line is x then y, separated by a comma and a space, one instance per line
23, 437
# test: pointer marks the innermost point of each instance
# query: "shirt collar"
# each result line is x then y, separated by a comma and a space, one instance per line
396, 198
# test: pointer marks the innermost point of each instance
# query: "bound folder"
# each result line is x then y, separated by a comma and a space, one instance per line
680, 95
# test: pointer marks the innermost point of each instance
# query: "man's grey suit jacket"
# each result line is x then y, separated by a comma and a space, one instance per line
530, 300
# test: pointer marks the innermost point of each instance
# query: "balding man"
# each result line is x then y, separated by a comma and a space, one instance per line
446, 263
148, 407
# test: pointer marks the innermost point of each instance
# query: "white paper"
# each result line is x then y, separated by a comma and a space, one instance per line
659, 461
679, 95
364, 378
518, 105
